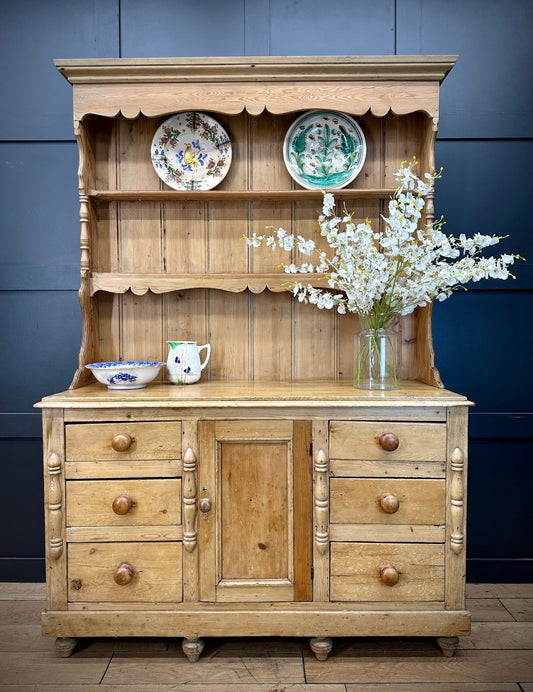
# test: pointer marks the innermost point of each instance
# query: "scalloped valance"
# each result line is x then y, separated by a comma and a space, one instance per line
158, 86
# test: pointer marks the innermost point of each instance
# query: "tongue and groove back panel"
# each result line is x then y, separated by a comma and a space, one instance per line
162, 265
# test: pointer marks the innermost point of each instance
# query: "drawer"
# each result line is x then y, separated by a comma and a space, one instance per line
128, 441
387, 572
387, 441
125, 572
387, 501
124, 502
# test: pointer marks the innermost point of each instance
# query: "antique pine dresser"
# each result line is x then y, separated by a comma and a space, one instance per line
272, 497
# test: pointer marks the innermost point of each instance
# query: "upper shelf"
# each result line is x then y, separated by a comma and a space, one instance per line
231, 195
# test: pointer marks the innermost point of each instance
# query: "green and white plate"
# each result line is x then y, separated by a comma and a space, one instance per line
324, 149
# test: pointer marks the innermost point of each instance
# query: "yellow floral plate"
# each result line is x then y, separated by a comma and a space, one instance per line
191, 151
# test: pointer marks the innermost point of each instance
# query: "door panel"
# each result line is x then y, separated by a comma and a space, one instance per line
255, 510
257, 478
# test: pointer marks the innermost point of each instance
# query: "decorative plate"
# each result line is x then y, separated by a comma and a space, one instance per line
191, 151
324, 149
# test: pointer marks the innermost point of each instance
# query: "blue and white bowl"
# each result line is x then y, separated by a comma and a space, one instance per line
127, 374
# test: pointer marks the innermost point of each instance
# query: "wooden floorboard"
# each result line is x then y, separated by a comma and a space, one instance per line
496, 657
468, 666
178, 687
488, 610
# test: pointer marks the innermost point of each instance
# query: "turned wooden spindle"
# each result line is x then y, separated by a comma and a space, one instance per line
389, 503
457, 501
123, 574
322, 502
55, 507
389, 575
388, 441
122, 504
189, 500
122, 442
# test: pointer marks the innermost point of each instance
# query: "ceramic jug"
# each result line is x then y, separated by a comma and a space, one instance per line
183, 362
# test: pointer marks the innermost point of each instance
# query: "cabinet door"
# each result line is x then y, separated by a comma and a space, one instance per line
255, 525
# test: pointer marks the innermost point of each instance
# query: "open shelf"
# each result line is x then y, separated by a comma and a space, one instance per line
139, 284
230, 195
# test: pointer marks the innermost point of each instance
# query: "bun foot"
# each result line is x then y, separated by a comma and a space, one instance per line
192, 648
321, 646
65, 646
448, 645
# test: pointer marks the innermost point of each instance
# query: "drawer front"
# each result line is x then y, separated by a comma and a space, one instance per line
125, 572
128, 441
124, 502
376, 441
367, 572
387, 501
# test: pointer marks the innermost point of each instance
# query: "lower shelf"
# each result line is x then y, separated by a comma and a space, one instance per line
139, 284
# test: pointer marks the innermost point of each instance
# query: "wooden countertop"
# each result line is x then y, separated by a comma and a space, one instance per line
247, 394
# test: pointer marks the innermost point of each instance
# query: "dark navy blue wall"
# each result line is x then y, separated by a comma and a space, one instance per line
483, 337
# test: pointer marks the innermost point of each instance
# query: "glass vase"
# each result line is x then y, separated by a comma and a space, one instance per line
377, 358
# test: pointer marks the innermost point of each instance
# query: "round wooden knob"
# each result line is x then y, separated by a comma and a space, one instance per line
389, 575
123, 574
122, 504
389, 503
205, 505
389, 441
121, 442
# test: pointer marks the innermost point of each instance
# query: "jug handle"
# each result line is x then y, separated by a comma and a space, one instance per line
208, 347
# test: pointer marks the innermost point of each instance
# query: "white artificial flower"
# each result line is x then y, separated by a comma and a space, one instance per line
328, 204
291, 269
306, 247
306, 268
393, 271
255, 240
